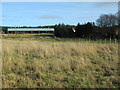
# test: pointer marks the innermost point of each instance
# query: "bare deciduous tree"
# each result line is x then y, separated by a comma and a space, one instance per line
106, 20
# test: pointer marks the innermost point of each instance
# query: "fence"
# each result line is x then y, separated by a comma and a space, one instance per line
91, 40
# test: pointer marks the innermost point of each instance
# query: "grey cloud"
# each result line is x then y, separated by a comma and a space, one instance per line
49, 17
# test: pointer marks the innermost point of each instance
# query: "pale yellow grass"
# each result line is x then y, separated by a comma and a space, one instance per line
27, 57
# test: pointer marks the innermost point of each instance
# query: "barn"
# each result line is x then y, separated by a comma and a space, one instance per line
29, 30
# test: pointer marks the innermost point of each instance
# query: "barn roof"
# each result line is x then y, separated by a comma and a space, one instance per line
30, 29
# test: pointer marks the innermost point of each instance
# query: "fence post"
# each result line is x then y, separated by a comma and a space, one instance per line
97, 40
115, 40
100, 40
105, 40
110, 40
89, 40
86, 40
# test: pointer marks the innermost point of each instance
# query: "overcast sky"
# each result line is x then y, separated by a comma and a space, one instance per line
51, 13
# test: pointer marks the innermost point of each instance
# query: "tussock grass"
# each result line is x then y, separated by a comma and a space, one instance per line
34, 64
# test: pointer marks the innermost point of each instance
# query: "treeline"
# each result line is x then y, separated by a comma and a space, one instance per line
88, 30
106, 26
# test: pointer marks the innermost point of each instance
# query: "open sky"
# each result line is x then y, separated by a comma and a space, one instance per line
51, 13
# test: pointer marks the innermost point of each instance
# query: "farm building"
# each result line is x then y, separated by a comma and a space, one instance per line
29, 30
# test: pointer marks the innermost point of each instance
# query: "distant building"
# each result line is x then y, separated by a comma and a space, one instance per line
29, 30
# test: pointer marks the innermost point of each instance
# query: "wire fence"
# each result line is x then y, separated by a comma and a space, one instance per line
92, 40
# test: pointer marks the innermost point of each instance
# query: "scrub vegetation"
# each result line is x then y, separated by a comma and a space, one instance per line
36, 64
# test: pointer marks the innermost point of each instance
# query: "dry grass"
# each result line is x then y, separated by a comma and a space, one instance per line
59, 64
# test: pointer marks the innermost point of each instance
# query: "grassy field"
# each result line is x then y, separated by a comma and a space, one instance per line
36, 64
43, 37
